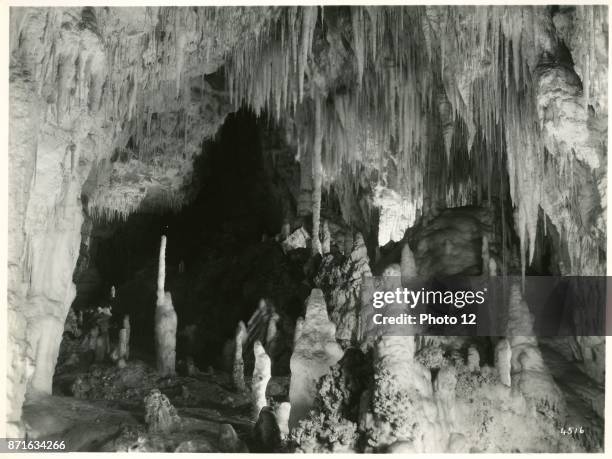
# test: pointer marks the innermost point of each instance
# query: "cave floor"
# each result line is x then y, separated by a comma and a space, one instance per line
110, 415
584, 397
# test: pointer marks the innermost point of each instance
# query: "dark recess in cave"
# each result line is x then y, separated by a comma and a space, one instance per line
220, 259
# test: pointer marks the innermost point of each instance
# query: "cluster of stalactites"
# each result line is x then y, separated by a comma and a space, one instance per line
386, 110
499, 48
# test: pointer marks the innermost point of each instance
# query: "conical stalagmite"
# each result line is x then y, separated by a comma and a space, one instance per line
261, 375
123, 348
503, 356
407, 264
127, 328
238, 364
165, 320
315, 351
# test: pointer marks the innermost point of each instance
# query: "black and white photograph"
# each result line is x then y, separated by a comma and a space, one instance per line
306, 228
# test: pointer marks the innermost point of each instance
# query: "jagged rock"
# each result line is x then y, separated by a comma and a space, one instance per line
397, 213
315, 351
72, 324
266, 434
160, 415
261, 375
299, 239
228, 440
342, 284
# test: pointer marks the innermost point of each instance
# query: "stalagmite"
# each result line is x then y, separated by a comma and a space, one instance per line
100, 354
238, 363
261, 375
315, 351
530, 373
404, 381
272, 334
503, 356
473, 359
282, 413
492, 267
407, 264
165, 320
317, 178
123, 348
127, 328
485, 255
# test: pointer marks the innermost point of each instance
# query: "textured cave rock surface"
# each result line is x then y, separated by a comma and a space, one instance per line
430, 117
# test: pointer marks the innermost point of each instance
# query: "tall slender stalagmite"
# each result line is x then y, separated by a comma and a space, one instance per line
238, 364
317, 177
165, 320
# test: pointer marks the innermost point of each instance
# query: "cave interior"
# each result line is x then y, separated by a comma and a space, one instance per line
282, 155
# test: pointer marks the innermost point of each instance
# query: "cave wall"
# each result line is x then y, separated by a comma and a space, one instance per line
83, 81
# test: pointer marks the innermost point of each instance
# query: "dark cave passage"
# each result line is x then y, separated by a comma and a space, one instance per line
221, 257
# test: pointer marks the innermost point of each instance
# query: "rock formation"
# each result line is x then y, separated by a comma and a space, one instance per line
282, 412
342, 284
503, 357
127, 328
414, 123
165, 320
261, 376
238, 363
315, 351
160, 415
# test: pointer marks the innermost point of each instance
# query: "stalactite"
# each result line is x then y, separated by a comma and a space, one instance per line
317, 177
